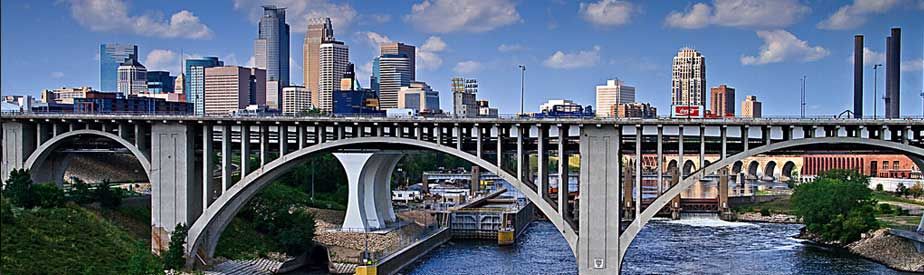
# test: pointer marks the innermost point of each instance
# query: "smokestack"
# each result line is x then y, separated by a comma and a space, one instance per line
893, 72
858, 76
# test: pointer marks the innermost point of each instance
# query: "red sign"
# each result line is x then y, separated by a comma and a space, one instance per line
681, 111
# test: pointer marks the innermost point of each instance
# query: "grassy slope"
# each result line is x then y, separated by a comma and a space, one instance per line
69, 240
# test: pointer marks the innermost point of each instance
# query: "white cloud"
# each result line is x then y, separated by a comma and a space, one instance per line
57, 74
376, 18
364, 71
444, 16
467, 67
913, 65
252, 62
869, 57
506, 48
780, 45
607, 12
854, 15
739, 13
428, 54
113, 16
299, 12
581, 59
375, 39
162, 60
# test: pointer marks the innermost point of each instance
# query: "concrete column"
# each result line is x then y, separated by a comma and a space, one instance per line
301, 137
660, 160
542, 161
680, 150
520, 153
322, 130
208, 164
418, 131
264, 145
702, 147
369, 200
283, 140
339, 129
500, 152
745, 137
639, 129
226, 152
56, 130
439, 134
176, 193
478, 141
563, 209
724, 134
598, 234
459, 139
245, 150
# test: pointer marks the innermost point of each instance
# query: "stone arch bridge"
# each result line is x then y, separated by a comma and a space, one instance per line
193, 184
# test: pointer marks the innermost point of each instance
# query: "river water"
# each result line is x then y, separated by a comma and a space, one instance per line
689, 246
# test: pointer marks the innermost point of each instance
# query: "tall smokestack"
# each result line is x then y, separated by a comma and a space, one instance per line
858, 76
893, 72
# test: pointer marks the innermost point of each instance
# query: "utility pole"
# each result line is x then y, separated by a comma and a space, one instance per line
522, 86
802, 104
875, 88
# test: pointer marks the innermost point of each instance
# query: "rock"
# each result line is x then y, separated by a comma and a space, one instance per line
895, 252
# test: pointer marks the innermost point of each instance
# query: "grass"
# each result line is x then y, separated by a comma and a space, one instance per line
900, 222
883, 196
241, 241
779, 206
70, 240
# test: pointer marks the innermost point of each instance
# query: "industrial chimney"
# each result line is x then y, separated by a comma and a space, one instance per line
893, 71
858, 76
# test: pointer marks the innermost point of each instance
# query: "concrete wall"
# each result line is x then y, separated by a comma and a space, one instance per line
401, 259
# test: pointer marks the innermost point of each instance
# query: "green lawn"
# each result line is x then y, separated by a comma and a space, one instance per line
883, 196
778, 206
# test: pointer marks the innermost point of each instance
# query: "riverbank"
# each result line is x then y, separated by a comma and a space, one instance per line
773, 218
893, 251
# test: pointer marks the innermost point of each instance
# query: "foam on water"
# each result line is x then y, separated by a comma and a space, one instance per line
708, 222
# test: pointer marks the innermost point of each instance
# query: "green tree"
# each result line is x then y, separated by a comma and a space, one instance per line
916, 190
81, 192
107, 197
175, 257
837, 206
879, 187
298, 236
48, 195
18, 188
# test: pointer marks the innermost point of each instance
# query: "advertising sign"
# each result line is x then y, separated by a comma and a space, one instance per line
687, 111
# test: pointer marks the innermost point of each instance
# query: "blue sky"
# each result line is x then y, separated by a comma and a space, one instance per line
760, 47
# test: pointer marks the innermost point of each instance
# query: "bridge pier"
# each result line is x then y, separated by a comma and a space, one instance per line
597, 248
176, 187
18, 144
369, 180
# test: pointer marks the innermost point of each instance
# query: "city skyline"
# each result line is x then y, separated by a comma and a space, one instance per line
490, 51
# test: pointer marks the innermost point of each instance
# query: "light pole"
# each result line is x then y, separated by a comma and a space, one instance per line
522, 86
802, 104
875, 88
922, 103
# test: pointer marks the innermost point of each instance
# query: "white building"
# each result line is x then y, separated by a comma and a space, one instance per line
688, 84
614, 93
334, 57
419, 97
132, 78
545, 107
406, 195
295, 100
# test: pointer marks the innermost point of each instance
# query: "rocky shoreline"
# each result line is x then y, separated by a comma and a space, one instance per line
878, 246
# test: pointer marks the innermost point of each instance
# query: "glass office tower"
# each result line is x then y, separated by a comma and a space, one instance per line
110, 57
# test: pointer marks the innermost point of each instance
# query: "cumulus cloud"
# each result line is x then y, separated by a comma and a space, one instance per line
162, 60
113, 16
375, 39
573, 60
428, 54
377, 18
869, 57
607, 12
506, 48
467, 67
364, 71
299, 12
445, 16
855, 14
739, 13
780, 45
57, 74
913, 65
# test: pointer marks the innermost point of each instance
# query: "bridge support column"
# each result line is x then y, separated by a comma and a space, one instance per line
369, 180
176, 193
210, 192
542, 162
245, 150
18, 144
564, 210
598, 238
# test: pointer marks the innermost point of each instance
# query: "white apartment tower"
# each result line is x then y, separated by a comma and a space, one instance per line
295, 99
333, 59
688, 80
614, 93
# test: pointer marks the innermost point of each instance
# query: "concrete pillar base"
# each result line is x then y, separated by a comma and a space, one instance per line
369, 204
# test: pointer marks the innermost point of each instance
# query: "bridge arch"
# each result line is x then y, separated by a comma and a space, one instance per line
204, 233
770, 169
753, 168
40, 155
629, 235
736, 168
688, 167
671, 166
788, 169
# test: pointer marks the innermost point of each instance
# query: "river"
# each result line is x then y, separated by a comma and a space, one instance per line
690, 246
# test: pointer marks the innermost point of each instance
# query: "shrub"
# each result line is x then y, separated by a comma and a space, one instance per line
174, 258
837, 206
764, 212
298, 237
18, 188
106, 196
879, 187
81, 192
48, 195
885, 209
6, 211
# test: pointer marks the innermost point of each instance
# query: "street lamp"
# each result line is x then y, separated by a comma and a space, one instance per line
875, 88
802, 103
522, 86
922, 103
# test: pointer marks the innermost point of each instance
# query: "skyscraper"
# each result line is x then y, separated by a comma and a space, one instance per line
333, 59
110, 57
271, 52
688, 84
722, 101
751, 108
419, 97
319, 31
132, 77
231, 88
393, 69
296, 99
464, 92
893, 73
614, 93
160, 82
195, 81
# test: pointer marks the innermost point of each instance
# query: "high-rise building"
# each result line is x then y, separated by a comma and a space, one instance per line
893, 73
195, 81
333, 58
179, 85
349, 82
230, 88
420, 97
615, 92
464, 103
133, 77
688, 84
319, 31
485, 110
635, 110
398, 48
394, 72
295, 100
722, 101
110, 57
271, 52
751, 107
160, 82
66, 95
